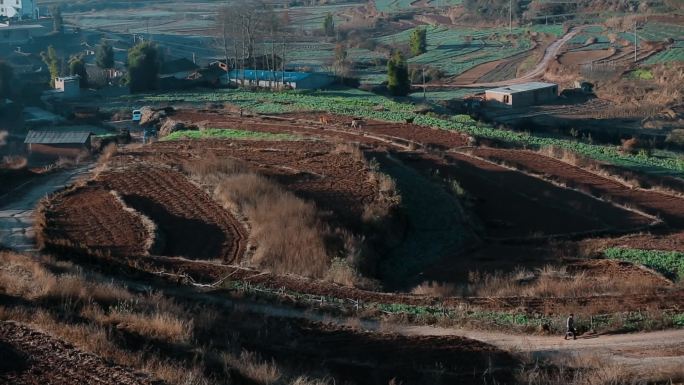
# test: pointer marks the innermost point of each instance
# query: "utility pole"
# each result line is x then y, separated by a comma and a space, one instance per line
636, 41
424, 96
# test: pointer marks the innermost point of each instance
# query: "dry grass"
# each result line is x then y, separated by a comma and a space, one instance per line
546, 282
663, 90
626, 177
90, 313
13, 162
591, 369
102, 162
387, 198
303, 380
287, 232
437, 289
289, 235
252, 367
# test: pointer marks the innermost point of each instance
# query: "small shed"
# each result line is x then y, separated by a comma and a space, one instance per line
179, 68
279, 79
522, 95
70, 86
58, 143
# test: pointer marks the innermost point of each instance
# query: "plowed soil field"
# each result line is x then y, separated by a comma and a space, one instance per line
515, 205
92, 219
668, 207
334, 179
303, 122
192, 224
29, 357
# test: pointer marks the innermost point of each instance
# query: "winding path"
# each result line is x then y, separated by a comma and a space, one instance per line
551, 51
16, 207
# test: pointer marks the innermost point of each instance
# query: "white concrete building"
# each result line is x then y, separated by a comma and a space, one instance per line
522, 95
21, 9
69, 86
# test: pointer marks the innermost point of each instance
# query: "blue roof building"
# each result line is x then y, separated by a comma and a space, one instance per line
278, 79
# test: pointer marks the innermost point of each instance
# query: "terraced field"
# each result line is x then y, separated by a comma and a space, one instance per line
193, 224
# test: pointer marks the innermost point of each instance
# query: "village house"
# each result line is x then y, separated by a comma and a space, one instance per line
58, 143
522, 95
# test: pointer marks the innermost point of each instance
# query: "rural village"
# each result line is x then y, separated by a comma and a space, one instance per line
319, 192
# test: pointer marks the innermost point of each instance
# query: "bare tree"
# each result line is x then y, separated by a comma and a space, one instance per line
224, 21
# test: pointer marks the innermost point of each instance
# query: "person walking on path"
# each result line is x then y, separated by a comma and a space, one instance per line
570, 323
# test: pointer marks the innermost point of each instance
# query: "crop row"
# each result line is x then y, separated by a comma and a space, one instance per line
457, 50
482, 318
359, 103
669, 263
220, 133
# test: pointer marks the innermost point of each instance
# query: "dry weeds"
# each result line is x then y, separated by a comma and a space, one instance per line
289, 235
546, 282
89, 312
591, 369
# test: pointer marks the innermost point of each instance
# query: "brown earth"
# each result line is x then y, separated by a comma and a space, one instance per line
316, 290
192, 224
668, 207
377, 358
515, 205
574, 58
92, 218
314, 170
31, 357
618, 271
373, 131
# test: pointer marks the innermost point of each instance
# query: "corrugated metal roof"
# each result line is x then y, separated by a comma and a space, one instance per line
522, 87
57, 137
270, 75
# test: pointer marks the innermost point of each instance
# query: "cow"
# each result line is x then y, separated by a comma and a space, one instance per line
356, 123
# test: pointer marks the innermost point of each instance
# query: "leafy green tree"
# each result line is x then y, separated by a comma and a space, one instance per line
6, 77
52, 61
418, 41
57, 19
77, 67
397, 75
104, 55
329, 25
143, 67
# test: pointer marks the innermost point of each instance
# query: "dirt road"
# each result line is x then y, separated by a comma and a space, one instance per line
16, 208
649, 352
551, 51
638, 351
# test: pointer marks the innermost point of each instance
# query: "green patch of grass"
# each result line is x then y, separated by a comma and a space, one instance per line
678, 320
669, 263
642, 74
219, 133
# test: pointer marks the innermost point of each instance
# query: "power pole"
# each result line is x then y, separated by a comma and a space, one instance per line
636, 42
510, 16
424, 96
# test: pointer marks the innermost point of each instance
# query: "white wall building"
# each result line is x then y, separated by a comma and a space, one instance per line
69, 86
22, 9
